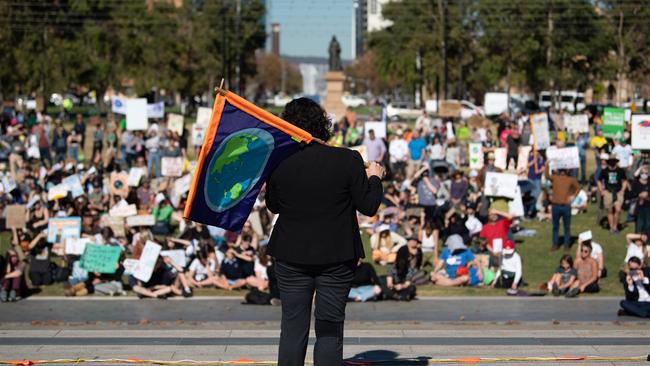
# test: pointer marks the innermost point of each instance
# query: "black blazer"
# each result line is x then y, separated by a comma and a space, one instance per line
317, 192
634, 295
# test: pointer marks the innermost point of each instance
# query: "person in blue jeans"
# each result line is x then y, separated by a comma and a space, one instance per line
565, 187
365, 285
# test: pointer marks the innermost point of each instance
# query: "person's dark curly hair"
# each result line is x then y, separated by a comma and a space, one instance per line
308, 115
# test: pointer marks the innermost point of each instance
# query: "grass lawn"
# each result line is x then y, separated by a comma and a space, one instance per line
538, 262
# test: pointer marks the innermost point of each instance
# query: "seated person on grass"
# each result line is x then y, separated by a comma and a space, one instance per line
159, 285
457, 265
233, 270
510, 269
365, 285
637, 290
385, 244
587, 269
564, 277
203, 271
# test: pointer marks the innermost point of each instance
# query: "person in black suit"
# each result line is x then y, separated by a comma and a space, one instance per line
315, 241
637, 290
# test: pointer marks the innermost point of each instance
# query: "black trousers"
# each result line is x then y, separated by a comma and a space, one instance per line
640, 309
297, 284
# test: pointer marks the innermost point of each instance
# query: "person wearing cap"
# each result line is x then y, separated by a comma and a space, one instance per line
596, 251
487, 167
637, 290
457, 265
510, 268
565, 188
612, 184
398, 151
587, 269
385, 243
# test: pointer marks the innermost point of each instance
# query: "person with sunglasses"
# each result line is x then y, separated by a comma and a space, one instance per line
587, 269
637, 290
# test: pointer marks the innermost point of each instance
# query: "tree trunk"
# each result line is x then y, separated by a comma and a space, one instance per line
621, 58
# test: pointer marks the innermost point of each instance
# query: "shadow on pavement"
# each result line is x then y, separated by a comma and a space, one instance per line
383, 357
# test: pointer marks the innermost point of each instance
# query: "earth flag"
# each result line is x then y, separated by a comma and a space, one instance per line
243, 145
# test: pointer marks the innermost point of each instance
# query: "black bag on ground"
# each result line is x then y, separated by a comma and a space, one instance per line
257, 297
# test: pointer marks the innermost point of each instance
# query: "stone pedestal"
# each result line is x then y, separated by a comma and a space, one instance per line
333, 103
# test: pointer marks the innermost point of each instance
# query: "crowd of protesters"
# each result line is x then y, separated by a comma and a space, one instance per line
436, 224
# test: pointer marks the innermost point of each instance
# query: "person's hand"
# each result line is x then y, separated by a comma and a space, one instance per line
640, 274
629, 280
374, 168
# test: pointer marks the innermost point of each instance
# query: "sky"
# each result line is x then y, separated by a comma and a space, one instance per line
307, 26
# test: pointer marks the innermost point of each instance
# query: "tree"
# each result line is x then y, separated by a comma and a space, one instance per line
269, 76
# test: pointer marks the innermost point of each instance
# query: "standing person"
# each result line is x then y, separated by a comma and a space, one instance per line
317, 190
535, 170
98, 142
398, 150
641, 193
74, 141
565, 187
80, 129
60, 143
637, 290
375, 147
44, 144
417, 147
612, 185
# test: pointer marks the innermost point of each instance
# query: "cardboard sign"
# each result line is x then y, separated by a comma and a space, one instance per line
177, 256
16, 216
641, 131
172, 167
100, 258
203, 115
123, 210
175, 123
539, 124
135, 174
147, 261
116, 223
119, 184
156, 110
477, 121
501, 185
378, 127
522, 158
500, 158
576, 123
563, 158
76, 246
613, 122
475, 156
449, 109
198, 134
74, 185
136, 114
140, 220
129, 265
57, 192
363, 151
61, 228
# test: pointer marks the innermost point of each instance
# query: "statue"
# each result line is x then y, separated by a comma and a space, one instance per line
335, 55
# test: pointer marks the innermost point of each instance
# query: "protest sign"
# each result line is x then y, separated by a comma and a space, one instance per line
450, 131
135, 174
198, 134
203, 115
118, 105
177, 256
9, 183
116, 223
172, 167
16, 216
516, 206
76, 246
175, 123
57, 192
500, 158
563, 158
539, 124
61, 228
147, 262
613, 122
74, 185
641, 131
475, 156
129, 265
378, 127
156, 110
576, 123
123, 210
522, 158
119, 184
477, 121
500, 185
449, 109
181, 186
140, 220
363, 151
100, 258
136, 114
628, 115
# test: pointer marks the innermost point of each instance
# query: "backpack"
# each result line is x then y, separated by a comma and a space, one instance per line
257, 297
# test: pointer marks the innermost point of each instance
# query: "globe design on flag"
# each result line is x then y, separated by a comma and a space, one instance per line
236, 167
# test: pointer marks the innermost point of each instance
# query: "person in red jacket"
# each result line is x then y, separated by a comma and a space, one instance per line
497, 227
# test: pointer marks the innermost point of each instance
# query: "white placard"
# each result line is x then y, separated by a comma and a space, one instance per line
181, 186
177, 256
203, 115
172, 167
501, 185
135, 174
576, 123
563, 158
74, 185
175, 123
378, 127
147, 262
9, 183
522, 158
516, 206
130, 265
497, 245
76, 246
123, 211
475, 156
57, 192
450, 131
641, 131
540, 130
156, 110
136, 114
198, 134
628, 115
118, 105
501, 158
141, 220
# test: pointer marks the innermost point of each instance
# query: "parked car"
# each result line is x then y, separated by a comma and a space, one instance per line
353, 101
468, 109
402, 111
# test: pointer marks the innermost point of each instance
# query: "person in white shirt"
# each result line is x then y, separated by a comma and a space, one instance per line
261, 278
436, 151
203, 271
510, 271
623, 153
399, 153
423, 123
636, 246
637, 290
